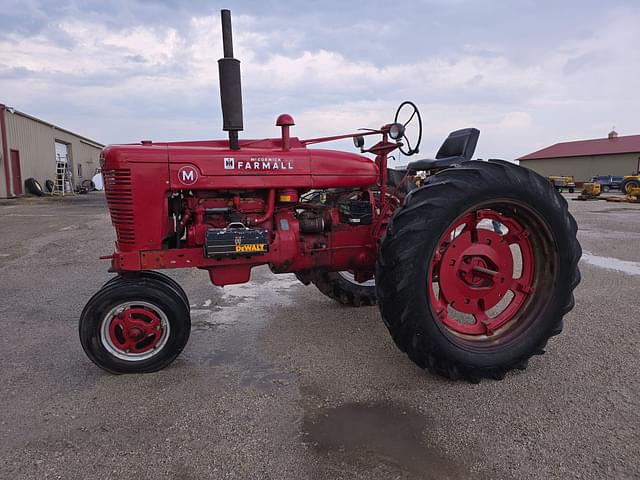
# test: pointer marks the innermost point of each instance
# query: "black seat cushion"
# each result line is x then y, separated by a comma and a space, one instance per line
461, 143
456, 149
434, 163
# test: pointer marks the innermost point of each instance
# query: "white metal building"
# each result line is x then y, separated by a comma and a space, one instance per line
31, 147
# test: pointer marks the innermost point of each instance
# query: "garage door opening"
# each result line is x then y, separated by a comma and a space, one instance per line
62, 152
64, 174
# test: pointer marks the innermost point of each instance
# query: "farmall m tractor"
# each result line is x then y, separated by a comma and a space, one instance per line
472, 263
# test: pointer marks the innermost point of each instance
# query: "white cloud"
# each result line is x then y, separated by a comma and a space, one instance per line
152, 81
515, 120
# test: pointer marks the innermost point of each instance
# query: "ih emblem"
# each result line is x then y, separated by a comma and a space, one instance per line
187, 175
229, 163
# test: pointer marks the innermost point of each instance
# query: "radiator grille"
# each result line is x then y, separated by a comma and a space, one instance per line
117, 186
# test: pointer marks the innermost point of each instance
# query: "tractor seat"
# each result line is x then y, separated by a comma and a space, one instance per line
434, 163
456, 149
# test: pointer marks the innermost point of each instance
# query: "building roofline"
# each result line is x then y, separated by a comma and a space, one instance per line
590, 148
529, 156
86, 140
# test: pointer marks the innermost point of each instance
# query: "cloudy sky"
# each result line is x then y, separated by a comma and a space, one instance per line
527, 73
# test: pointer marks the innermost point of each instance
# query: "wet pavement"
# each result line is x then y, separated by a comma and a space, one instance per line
280, 382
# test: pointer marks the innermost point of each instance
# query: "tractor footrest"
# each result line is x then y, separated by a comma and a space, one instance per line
236, 242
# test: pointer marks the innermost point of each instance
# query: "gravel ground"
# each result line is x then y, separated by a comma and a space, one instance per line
279, 382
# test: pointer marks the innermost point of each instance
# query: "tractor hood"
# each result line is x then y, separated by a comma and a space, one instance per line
257, 164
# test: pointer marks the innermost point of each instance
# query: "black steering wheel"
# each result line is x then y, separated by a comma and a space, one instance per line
413, 112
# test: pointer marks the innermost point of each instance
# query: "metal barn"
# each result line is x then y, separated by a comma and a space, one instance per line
31, 147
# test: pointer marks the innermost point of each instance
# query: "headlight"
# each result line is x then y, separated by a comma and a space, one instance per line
396, 131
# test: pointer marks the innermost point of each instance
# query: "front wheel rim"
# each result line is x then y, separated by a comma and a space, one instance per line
134, 331
484, 272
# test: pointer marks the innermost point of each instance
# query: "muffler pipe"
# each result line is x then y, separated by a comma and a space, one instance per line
230, 86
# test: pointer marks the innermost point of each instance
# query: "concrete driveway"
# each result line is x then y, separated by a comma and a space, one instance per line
280, 382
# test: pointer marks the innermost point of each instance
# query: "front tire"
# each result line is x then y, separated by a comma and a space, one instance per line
154, 275
466, 300
136, 325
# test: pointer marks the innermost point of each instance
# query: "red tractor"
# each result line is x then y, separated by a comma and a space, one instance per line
472, 263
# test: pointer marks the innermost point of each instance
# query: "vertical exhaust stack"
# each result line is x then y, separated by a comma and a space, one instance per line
230, 87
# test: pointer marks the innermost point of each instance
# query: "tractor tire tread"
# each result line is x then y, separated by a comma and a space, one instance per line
413, 221
170, 282
336, 287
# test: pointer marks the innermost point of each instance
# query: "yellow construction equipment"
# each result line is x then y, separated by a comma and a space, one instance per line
560, 182
632, 196
590, 191
632, 181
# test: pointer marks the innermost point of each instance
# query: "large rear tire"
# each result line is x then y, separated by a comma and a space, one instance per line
463, 298
342, 287
134, 325
628, 184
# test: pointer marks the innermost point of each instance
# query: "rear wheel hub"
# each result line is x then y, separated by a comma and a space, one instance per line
473, 271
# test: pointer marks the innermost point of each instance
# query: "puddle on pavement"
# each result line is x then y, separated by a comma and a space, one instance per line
369, 435
244, 303
204, 320
251, 371
610, 263
226, 322
235, 350
221, 357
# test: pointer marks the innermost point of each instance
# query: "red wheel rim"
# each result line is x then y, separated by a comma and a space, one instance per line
479, 278
134, 331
